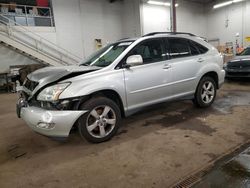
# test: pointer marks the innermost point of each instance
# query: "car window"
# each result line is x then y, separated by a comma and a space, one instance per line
193, 48
202, 49
151, 51
178, 47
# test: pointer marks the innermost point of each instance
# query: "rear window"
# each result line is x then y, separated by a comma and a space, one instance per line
202, 49
193, 48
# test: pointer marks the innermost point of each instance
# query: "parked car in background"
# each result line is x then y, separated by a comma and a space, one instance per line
119, 80
239, 67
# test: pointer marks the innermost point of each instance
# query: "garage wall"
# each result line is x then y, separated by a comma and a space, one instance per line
79, 22
190, 18
100, 20
10, 57
67, 19
131, 22
238, 22
155, 18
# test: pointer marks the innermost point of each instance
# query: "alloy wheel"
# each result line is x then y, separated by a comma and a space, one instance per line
208, 92
101, 121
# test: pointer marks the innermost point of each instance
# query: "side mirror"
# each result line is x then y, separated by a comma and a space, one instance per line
134, 60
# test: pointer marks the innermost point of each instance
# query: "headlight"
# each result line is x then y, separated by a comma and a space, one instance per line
52, 93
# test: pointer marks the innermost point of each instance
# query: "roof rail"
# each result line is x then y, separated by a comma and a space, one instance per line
123, 39
170, 33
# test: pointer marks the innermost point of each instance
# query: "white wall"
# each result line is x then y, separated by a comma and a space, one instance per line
100, 20
10, 57
190, 18
201, 20
79, 22
131, 22
237, 15
155, 18
67, 19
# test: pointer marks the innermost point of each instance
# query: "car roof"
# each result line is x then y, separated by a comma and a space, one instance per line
168, 33
128, 40
159, 34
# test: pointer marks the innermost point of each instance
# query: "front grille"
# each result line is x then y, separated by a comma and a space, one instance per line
31, 85
54, 105
239, 65
239, 74
242, 66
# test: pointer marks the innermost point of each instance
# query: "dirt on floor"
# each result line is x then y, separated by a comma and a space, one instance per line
154, 148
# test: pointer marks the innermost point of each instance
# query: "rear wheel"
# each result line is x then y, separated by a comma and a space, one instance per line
205, 92
102, 120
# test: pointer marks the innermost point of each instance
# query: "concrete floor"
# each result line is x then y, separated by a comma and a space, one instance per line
154, 148
232, 173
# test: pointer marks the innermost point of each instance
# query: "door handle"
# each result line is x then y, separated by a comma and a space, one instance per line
167, 66
200, 60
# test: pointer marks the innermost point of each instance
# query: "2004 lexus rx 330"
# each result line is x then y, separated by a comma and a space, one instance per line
118, 80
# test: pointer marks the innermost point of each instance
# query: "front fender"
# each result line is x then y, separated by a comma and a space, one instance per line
86, 86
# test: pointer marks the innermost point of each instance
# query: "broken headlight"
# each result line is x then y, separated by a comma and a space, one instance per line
52, 93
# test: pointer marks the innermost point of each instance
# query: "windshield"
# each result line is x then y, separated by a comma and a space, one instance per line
106, 56
245, 52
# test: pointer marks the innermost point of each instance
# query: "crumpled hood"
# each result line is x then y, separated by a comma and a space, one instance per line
48, 75
51, 74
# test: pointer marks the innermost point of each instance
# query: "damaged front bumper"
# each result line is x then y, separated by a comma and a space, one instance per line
52, 123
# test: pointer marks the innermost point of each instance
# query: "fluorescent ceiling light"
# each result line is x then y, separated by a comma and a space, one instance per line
223, 4
226, 3
161, 3
237, 1
158, 3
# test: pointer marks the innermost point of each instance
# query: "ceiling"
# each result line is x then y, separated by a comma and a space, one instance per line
196, 1
203, 1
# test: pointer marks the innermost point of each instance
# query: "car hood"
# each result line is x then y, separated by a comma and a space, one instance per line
240, 58
239, 63
49, 75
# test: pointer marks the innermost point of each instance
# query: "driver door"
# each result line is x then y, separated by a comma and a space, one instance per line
148, 83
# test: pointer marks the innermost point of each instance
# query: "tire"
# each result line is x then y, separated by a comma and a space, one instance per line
102, 120
205, 93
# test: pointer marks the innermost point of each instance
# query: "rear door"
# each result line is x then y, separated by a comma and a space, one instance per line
186, 61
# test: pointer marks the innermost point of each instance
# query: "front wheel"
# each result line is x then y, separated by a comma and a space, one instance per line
102, 120
205, 92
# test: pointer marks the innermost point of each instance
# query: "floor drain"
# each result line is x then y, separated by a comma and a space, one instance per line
16, 151
193, 179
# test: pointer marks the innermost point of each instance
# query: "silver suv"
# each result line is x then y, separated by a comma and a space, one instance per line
117, 81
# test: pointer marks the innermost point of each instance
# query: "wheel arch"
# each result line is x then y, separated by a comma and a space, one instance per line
213, 75
110, 94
